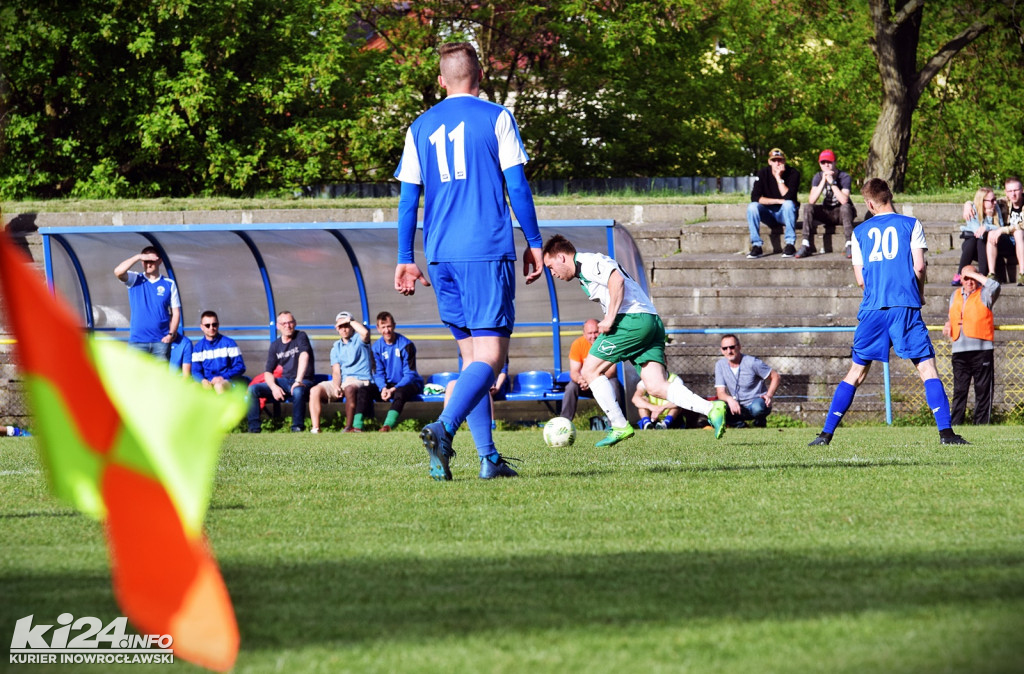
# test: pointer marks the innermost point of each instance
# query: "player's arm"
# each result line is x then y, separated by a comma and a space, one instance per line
774, 379
641, 403
406, 272
361, 330
723, 394
521, 198
816, 190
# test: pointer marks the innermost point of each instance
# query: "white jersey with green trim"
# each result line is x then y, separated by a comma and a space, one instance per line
594, 271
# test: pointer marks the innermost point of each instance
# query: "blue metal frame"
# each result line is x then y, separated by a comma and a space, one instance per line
335, 229
262, 266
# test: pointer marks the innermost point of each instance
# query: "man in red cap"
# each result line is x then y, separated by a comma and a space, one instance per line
833, 186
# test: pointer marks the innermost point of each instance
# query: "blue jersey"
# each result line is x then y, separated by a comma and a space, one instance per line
457, 150
354, 358
883, 245
151, 303
395, 364
219, 358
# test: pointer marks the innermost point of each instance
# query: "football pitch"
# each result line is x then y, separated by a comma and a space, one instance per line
671, 552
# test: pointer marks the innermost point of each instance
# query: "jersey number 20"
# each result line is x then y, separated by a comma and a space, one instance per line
884, 243
458, 139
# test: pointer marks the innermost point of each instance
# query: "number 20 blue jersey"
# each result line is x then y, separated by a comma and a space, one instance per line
884, 245
457, 150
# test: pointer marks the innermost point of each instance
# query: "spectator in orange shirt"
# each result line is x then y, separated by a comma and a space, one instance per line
577, 385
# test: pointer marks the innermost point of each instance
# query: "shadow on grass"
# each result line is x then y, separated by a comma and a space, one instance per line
811, 465
357, 601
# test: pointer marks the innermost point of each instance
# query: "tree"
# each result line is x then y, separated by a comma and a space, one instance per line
897, 33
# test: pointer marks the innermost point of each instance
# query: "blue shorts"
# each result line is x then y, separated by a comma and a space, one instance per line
476, 296
899, 328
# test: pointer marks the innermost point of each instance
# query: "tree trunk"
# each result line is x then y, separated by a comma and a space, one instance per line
897, 31
890, 144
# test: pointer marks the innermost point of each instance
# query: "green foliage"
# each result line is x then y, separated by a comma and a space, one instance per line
125, 98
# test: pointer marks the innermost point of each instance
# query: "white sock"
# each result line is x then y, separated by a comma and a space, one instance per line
604, 394
687, 399
807, 243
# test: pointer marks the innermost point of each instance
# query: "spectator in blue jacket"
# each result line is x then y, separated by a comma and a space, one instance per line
216, 359
394, 374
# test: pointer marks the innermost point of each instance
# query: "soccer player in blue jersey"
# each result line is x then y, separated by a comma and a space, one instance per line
888, 262
463, 154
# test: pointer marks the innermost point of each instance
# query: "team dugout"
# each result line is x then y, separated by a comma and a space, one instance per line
248, 273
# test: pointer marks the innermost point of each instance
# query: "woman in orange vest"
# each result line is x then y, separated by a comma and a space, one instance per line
971, 328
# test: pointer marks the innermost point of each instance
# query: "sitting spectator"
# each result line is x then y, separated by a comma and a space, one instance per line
655, 413
181, 356
216, 359
975, 232
739, 381
14, 432
394, 374
1014, 227
351, 365
293, 352
154, 302
577, 385
774, 199
836, 207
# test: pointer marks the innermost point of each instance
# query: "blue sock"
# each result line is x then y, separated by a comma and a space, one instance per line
938, 403
479, 420
841, 401
473, 383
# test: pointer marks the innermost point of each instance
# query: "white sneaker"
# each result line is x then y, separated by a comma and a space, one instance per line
314, 430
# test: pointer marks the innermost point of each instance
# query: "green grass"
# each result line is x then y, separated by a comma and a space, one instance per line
623, 197
670, 552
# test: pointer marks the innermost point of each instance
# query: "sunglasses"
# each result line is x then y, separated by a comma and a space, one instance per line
731, 347
211, 325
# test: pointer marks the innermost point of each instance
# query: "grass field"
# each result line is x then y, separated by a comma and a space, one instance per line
671, 552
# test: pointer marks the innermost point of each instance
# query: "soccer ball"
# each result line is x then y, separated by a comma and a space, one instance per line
559, 432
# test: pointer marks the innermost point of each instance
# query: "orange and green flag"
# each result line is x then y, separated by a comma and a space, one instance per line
127, 442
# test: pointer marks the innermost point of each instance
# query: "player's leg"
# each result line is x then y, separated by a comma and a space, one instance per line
961, 387
570, 397
807, 217
983, 366
1018, 246
787, 216
316, 399
596, 371
755, 213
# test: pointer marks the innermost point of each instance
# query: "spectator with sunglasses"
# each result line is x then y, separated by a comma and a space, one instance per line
216, 359
740, 382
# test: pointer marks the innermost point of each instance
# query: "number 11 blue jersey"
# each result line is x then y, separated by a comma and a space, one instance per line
457, 150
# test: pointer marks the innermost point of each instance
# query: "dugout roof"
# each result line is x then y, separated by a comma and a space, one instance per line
248, 273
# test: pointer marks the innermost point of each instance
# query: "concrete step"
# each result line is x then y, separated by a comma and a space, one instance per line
659, 240
773, 270
807, 305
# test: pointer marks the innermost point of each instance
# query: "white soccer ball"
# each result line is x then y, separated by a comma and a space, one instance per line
559, 432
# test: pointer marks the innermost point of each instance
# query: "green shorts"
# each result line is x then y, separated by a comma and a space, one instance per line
636, 337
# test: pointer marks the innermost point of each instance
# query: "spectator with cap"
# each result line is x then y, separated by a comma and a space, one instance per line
971, 329
351, 372
836, 207
774, 199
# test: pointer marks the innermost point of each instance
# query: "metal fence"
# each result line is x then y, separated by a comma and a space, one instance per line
806, 388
